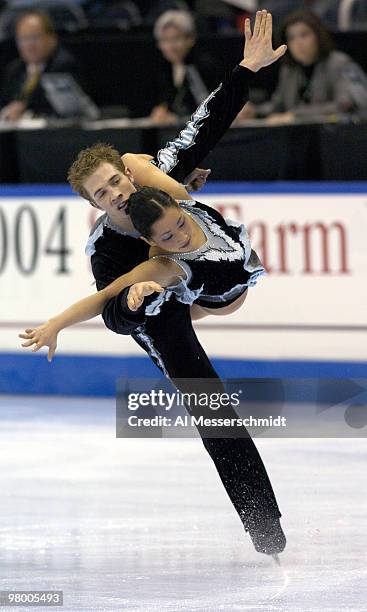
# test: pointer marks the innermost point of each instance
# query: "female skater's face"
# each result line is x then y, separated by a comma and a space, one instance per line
109, 189
302, 43
173, 231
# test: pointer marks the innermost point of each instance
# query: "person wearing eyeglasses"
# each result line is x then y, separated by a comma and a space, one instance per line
39, 53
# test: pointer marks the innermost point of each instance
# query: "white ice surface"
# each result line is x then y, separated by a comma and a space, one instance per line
145, 525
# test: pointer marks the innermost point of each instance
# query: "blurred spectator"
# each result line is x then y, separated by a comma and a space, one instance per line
39, 53
185, 78
314, 79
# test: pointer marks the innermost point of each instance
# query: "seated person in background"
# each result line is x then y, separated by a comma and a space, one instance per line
39, 52
314, 80
183, 81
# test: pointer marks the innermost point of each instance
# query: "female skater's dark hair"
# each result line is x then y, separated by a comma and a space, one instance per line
146, 206
315, 24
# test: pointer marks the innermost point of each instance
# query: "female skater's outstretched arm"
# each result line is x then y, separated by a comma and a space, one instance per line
149, 277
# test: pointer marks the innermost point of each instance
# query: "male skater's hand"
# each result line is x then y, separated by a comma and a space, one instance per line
43, 335
139, 291
258, 51
196, 179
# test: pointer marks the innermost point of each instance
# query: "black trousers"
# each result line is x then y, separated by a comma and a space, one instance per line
171, 342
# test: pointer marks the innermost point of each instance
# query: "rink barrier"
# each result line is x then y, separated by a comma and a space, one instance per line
214, 187
96, 376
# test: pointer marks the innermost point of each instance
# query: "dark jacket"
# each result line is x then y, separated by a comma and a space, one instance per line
16, 74
201, 77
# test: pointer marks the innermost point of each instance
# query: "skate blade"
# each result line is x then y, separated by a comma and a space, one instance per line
276, 559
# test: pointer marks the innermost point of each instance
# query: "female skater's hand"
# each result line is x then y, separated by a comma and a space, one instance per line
196, 179
44, 335
139, 291
258, 51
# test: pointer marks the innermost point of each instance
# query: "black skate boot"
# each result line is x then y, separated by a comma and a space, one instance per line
267, 536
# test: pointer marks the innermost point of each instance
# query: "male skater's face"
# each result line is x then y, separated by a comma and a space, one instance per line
110, 189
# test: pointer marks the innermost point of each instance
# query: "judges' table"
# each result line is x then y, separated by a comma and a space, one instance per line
34, 152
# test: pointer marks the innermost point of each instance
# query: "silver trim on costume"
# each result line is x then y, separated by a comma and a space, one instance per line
167, 157
152, 351
244, 237
97, 231
181, 292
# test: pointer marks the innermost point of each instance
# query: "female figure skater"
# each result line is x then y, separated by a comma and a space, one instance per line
211, 257
195, 255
